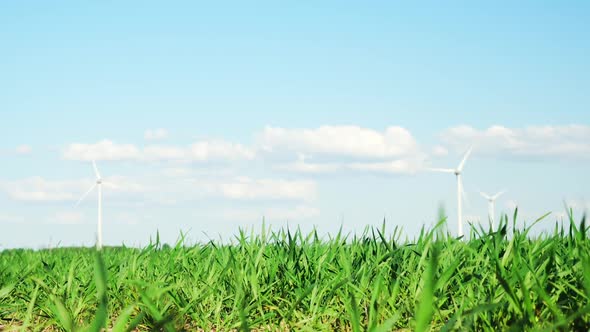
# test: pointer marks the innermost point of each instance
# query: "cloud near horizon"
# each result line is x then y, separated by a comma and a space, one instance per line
155, 134
271, 214
343, 141
270, 189
23, 149
38, 189
358, 149
350, 148
540, 142
107, 150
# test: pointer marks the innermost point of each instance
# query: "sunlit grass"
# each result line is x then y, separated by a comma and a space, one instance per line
288, 281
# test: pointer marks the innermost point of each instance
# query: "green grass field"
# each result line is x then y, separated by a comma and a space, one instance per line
289, 281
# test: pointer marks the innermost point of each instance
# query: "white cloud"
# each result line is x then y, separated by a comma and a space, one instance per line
200, 152
346, 141
103, 150
393, 150
361, 149
11, 218
165, 152
155, 134
271, 214
67, 218
440, 151
220, 150
153, 190
38, 189
396, 166
126, 218
198, 186
302, 166
175, 172
217, 150
190, 172
400, 166
532, 141
249, 189
122, 184
24, 149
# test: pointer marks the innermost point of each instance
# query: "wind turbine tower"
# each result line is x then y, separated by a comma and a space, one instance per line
98, 185
460, 192
491, 208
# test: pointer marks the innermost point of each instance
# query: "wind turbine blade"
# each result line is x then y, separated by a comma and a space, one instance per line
96, 170
465, 157
498, 194
85, 194
441, 170
484, 195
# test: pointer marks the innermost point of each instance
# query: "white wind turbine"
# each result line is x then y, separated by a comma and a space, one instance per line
491, 200
457, 171
97, 184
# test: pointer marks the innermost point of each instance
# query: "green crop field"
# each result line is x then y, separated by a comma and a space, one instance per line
289, 281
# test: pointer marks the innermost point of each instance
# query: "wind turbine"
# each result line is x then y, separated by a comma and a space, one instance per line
457, 171
491, 200
97, 184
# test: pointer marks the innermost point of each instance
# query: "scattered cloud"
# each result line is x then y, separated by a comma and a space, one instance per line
38, 189
199, 152
271, 214
187, 172
67, 218
103, 150
126, 218
396, 166
122, 184
172, 191
11, 218
217, 150
302, 166
354, 148
175, 172
245, 188
220, 150
571, 141
407, 165
24, 149
155, 134
334, 148
439, 151
346, 141
164, 152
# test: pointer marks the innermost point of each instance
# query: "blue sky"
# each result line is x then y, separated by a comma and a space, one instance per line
207, 117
